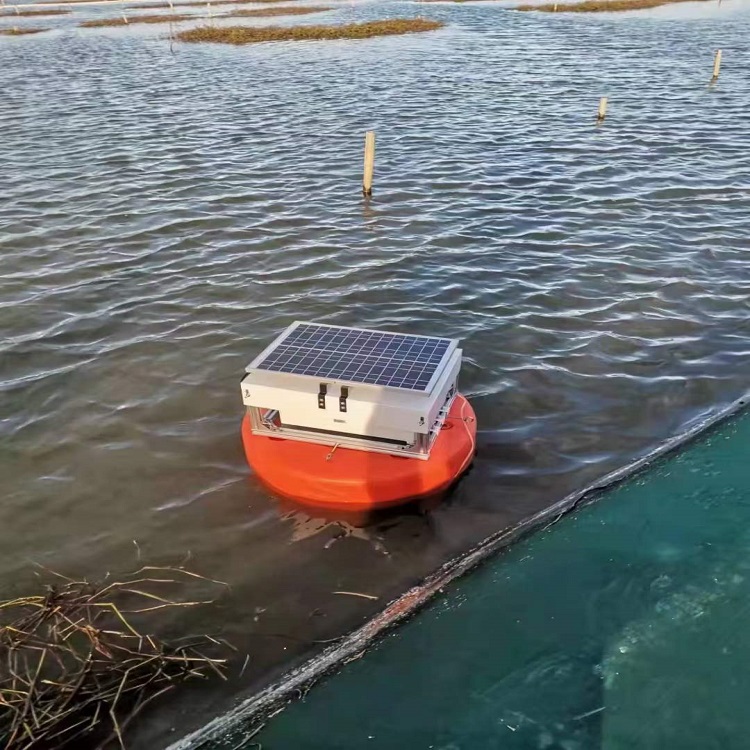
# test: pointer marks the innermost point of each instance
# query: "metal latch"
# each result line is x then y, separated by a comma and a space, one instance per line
322, 396
343, 397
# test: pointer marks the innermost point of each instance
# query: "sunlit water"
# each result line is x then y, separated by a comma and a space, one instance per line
164, 212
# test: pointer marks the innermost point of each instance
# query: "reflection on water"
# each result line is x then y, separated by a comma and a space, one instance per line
164, 216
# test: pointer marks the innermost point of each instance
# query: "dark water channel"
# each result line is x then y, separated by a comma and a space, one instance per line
164, 214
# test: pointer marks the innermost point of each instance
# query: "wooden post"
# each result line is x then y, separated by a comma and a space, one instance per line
717, 65
602, 109
369, 163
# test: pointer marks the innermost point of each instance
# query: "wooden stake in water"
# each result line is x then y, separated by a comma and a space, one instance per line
717, 65
602, 109
369, 163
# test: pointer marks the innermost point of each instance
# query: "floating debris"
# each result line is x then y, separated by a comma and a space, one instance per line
357, 593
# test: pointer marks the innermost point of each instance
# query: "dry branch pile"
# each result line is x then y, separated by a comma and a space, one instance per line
249, 35
74, 669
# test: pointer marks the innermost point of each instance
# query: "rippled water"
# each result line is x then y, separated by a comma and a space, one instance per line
164, 213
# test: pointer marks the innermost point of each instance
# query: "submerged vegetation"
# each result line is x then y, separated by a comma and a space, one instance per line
126, 21
600, 6
249, 35
286, 10
75, 670
20, 31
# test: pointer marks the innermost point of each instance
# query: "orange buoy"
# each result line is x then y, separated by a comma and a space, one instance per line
351, 479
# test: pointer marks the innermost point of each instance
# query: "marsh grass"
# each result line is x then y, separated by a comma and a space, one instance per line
283, 11
25, 13
193, 4
73, 2
250, 35
600, 6
20, 31
169, 18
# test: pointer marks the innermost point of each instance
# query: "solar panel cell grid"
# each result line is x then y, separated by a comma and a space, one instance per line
372, 357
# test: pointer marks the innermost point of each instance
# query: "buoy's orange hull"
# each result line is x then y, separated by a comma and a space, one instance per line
362, 480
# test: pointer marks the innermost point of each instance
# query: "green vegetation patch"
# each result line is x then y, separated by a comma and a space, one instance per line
169, 18
20, 31
283, 11
600, 6
249, 35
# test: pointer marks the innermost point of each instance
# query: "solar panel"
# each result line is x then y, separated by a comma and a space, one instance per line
356, 355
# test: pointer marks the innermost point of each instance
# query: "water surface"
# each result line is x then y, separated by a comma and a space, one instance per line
167, 211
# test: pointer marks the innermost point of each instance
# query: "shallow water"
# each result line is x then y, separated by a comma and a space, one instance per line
625, 626
165, 212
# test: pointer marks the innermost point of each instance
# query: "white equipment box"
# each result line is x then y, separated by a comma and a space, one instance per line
353, 387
